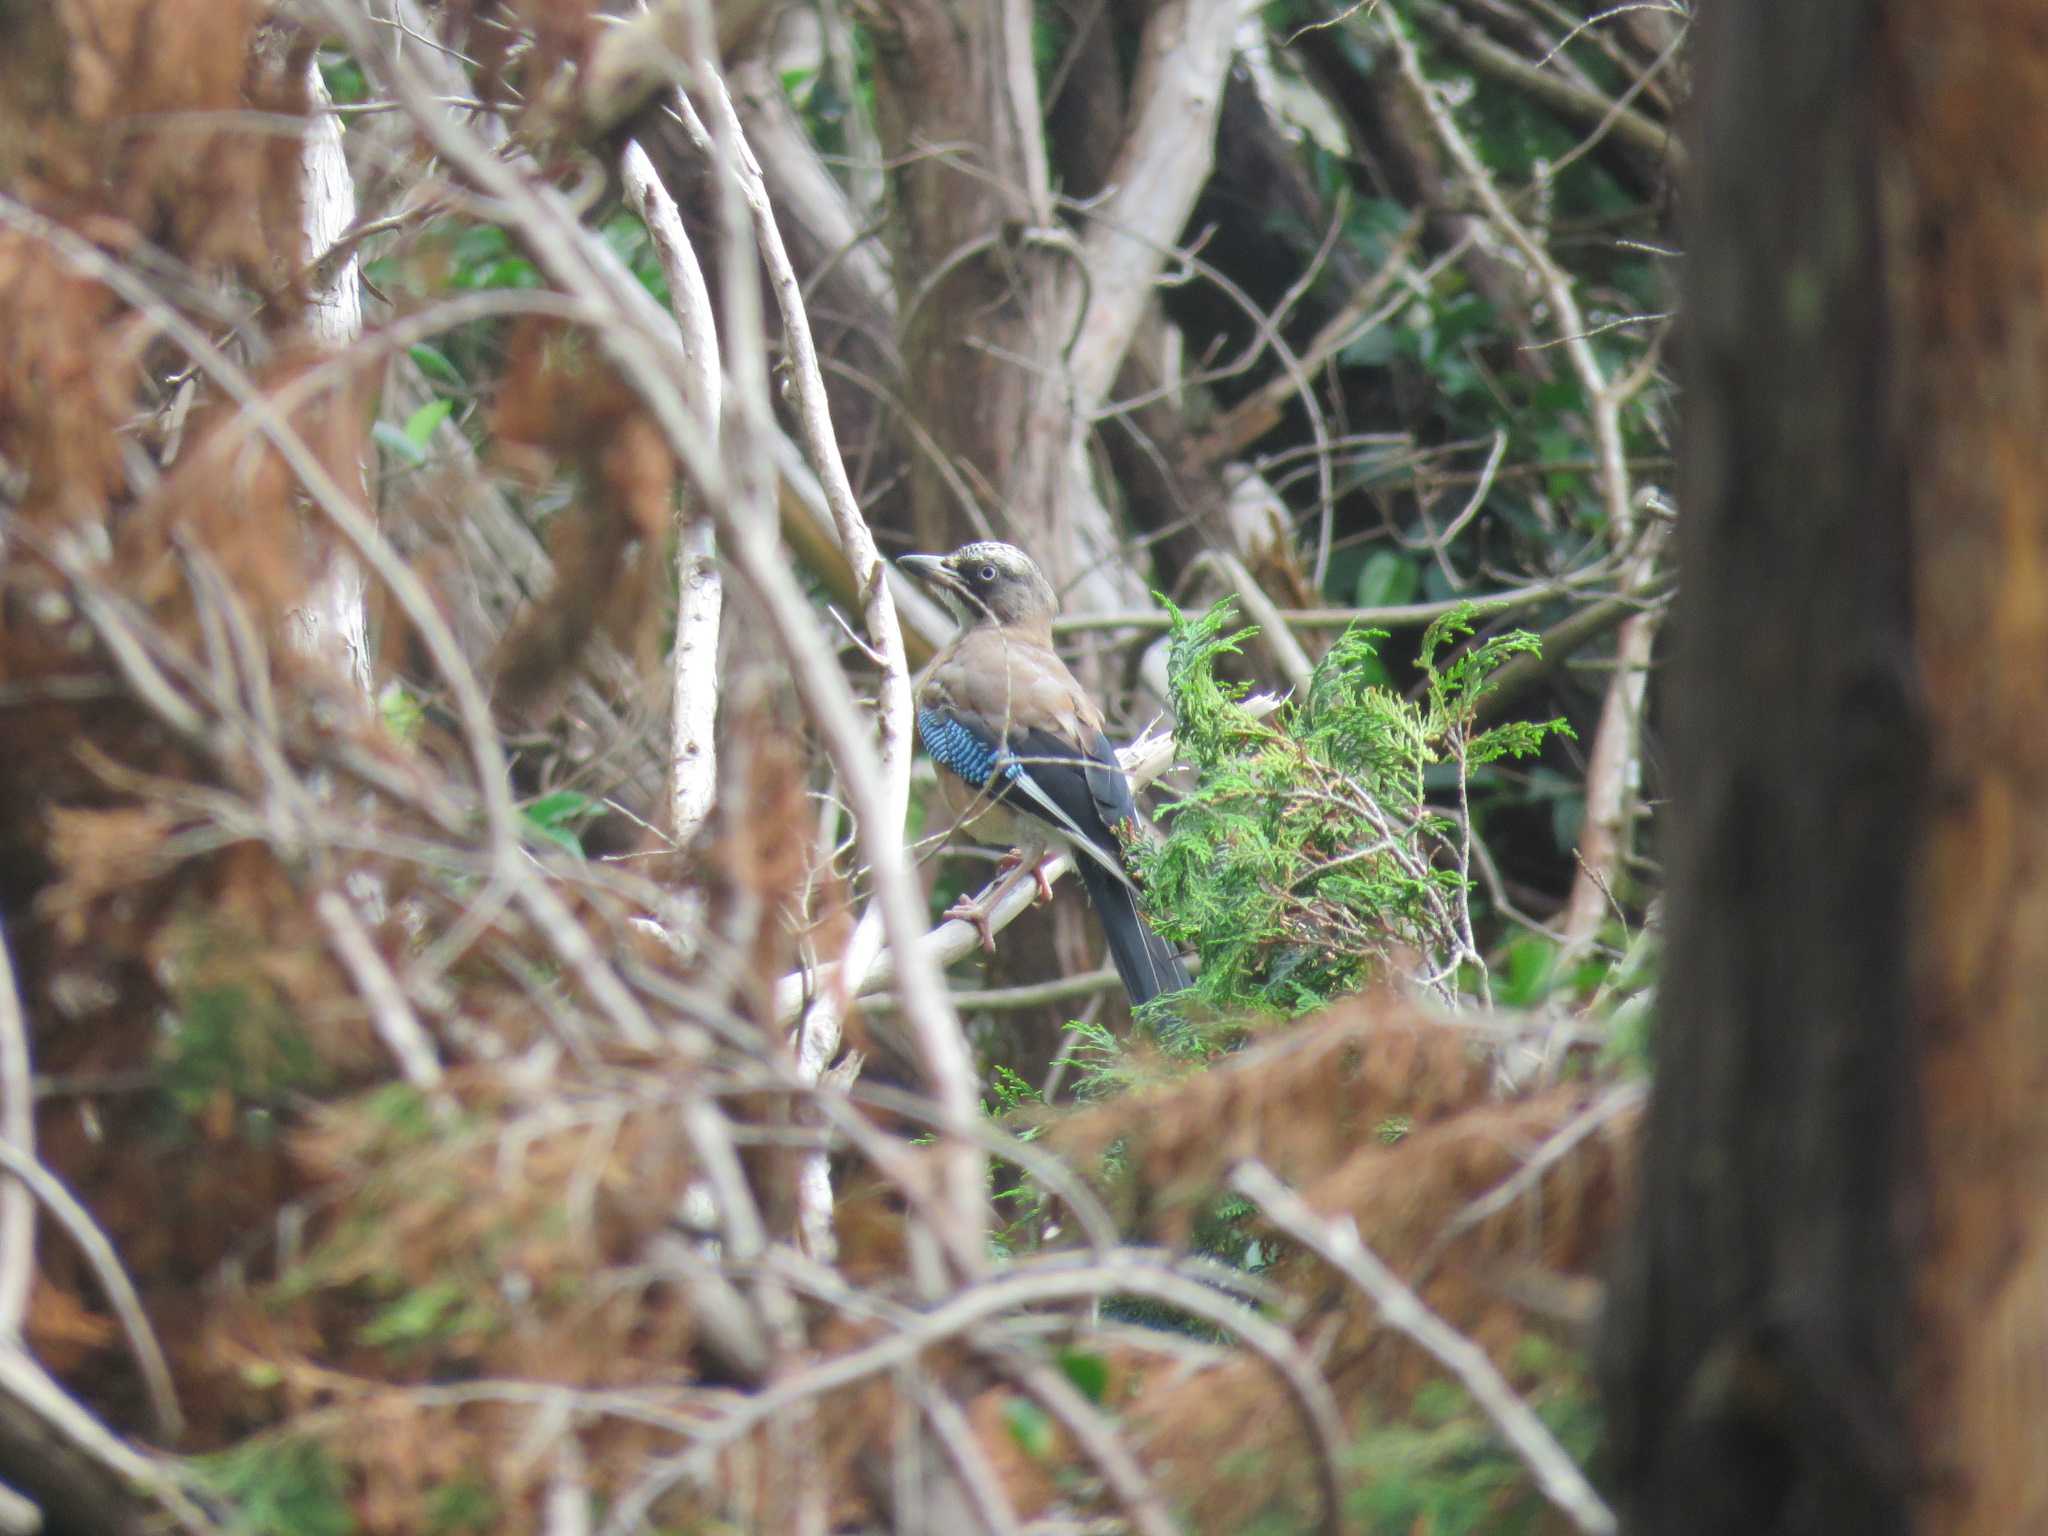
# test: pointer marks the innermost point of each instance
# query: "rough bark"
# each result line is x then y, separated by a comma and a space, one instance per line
1831, 1316
970, 226
1966, 182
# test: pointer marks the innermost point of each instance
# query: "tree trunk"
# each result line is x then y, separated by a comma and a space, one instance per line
1831, 1315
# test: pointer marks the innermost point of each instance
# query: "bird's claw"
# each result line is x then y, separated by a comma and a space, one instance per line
968, 910
1044, 884
1010, 862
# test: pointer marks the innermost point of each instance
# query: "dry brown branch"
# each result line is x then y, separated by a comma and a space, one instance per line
640, 343
975, 1306
875, 780
819, 1033
78, 1224
1305, 1102
350, 519
75, 1468
1338, 1244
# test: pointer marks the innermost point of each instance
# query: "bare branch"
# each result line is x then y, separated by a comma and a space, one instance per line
700, 591
1160, 167
881, 804
1652, 141
390, 1011
77, 1469
1337, 1244
17, 1132
1551, 278
77, 1222
973, 1307
332, 621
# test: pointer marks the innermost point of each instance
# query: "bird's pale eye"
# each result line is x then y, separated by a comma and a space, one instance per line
988, 573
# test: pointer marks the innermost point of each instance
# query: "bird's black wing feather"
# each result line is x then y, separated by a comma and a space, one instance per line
1092, 790
1089, 787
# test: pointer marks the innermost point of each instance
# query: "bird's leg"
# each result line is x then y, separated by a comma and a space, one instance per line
1038, 869
979, 910
1039, 866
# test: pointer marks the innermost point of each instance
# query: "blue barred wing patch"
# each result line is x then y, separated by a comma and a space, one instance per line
960, 749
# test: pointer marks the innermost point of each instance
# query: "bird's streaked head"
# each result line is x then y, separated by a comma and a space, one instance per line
987, 583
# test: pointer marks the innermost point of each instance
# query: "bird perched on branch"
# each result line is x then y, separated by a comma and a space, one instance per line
1021, 754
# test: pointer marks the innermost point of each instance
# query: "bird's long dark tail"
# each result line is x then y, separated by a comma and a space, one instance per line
1143, 959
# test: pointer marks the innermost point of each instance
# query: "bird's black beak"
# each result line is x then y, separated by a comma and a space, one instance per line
932, 570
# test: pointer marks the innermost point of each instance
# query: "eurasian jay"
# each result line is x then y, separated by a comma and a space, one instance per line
1020, 750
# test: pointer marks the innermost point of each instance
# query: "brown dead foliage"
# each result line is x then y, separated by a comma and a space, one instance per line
63, 388
232, 494
1300, 1101
562, 400
1387, 1114
444, 1289
561, 34
134, 111
1226, 1439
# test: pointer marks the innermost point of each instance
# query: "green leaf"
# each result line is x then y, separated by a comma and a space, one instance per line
1386, 580
1087, 1371
1029, 1427
419, 426
287, 1487
434, 363
553, 816
1525, 980
560, 808
438, 1310
465, 1505
394, 442
403, 714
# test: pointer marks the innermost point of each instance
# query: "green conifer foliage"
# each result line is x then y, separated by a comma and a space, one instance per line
1309, 859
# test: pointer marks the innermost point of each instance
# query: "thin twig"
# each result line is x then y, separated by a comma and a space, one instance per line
391, 1013
1001, 999
18, 1132
1397, 616
1338, 1244
77, 1221
1097, 1437
973, 1307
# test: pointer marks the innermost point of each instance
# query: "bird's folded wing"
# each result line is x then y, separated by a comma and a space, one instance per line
1036, 771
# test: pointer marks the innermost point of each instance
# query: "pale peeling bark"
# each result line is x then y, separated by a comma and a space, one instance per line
1013, 326
700, 590
332, 620
1614, 767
